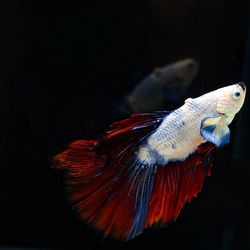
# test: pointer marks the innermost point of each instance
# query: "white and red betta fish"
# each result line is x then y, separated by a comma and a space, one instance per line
148, 166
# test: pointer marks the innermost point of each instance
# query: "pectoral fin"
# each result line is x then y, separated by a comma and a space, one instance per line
215, 130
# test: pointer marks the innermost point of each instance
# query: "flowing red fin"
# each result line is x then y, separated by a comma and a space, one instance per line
113, 192
106, 184
177, 183
129, 133
112, 198
80, 159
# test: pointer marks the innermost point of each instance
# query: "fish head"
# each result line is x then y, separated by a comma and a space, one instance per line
225, 102
229, 100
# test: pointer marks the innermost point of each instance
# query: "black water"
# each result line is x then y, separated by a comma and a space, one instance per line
65, 64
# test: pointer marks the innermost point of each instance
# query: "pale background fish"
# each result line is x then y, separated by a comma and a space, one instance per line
168, 83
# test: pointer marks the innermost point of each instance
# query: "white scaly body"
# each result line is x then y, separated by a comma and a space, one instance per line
180, 133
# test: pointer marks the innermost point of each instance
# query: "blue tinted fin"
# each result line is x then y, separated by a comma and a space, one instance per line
215, 130
143, 194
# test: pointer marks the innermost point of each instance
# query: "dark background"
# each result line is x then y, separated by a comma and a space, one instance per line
65, 64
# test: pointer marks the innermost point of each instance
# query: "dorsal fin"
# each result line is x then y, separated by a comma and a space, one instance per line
129, 133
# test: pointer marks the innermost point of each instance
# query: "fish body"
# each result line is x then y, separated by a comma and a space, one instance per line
165, 84
179, 134
148, 166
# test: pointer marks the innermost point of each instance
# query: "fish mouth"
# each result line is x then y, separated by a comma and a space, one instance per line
222, 114
243, 86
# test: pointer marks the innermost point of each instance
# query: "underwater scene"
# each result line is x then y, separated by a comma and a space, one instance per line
125, 125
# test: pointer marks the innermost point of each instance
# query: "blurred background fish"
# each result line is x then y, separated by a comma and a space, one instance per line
167, 84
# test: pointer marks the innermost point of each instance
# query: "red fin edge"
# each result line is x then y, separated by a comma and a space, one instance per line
178, 183
109, 190
103, 181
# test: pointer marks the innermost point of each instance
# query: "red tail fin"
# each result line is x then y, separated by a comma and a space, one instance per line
80, 161
90, 188
113, 191
113, 198
106, 184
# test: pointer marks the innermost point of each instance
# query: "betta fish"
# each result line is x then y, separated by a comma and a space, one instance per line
164, 84
145, 168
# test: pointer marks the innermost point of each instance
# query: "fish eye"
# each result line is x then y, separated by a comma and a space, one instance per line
236, 94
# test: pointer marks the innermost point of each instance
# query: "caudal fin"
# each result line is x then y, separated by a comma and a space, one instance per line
106, 184
91, 190
110, 197
112, 190
80, 162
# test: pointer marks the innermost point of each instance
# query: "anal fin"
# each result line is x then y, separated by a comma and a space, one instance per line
178, 183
